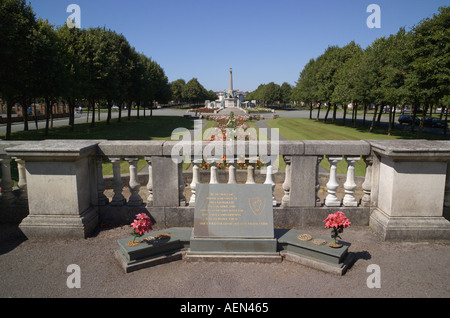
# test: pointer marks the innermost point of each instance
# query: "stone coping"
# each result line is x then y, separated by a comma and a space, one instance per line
418, 149
397, 149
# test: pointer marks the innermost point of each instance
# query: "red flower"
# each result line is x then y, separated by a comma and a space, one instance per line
142, 224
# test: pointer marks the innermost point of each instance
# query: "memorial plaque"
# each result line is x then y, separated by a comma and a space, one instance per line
233, 211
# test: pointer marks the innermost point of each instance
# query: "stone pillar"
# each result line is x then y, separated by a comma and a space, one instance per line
303, 182
22, 200
213, 173
287, 182
134, 184
332, 185
166, 184
118, 199
7, 198
62, 188
195, 180
232, 173
150, 182
367, 184
410, 198
250, 173
102, 199
269, 180
350, 185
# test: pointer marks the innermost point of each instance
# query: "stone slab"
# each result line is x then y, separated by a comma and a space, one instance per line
233, 211
152, 253
129, 267
130, 148
266, 258
309, 253
233, 246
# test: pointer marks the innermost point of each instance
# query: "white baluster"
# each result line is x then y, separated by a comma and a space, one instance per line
134, 184
181, 185
250, 173
213, 177
118, 199
150, 182
287, 182
319, 160
232, 173
367, 184
350, 185
22, 184
332, 185
195, 180
101, 197
8, 198
269, 170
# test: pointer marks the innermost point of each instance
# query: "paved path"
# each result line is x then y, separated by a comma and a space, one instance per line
38, 268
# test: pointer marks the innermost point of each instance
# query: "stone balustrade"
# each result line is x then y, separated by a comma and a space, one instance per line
62, 192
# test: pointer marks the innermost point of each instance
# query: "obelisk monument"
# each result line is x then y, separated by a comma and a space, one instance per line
231, 80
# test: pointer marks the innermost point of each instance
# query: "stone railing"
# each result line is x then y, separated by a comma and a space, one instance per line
403, 195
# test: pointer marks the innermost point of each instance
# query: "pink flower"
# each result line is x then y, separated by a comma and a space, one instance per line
336, 220
142, 224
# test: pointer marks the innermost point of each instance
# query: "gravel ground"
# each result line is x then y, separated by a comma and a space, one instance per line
38, 268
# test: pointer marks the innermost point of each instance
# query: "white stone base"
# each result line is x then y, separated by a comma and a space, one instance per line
409, 228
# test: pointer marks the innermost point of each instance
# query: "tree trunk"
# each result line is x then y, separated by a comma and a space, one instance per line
445, 127
310, 110
93, 113
72, 114
109, 105
364, 115
413, 124
422, 121
355, 114
318, 112
391, 119
129, 110
333, 120
138, 104
374, 118
380, 112
25, 114
35, 116
47, 114
120, 112
9, 105
326, 114
344, 117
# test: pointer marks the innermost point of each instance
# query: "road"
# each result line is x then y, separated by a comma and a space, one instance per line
82, 118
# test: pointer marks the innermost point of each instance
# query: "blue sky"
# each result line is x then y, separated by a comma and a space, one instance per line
263, 41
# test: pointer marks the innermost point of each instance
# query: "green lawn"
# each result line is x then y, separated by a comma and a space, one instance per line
145, 128
307, 129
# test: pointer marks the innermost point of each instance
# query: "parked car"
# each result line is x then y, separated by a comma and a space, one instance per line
433, 122
406, 119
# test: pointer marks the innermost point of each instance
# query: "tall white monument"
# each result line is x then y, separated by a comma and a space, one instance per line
229, 97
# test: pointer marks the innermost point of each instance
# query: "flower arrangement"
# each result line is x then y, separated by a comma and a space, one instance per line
142, 224
337, 222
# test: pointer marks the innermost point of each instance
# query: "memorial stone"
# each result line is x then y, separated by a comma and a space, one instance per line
234, 220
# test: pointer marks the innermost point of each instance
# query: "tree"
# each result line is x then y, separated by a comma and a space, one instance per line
285, 93
272, 93
345, 82
16, 30
193, 91
47, 52
176, 88
306, 88
429, 72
